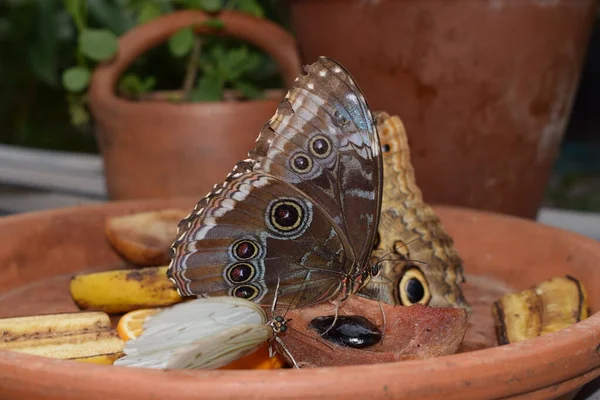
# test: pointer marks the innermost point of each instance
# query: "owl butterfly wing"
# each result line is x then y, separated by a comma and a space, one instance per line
253, 233
420, 263
323, 140
201, 333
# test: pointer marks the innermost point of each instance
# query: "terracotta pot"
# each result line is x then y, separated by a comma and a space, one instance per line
41, 251
484, 87
162, 149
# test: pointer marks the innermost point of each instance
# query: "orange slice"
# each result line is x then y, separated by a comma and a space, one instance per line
131, 325
258, 360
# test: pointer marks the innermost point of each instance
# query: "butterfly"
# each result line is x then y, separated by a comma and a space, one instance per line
204, 333
419, 264
302, 209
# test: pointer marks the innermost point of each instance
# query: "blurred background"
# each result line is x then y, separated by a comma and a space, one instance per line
430, 61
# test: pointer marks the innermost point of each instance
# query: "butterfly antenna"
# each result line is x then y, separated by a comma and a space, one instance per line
412, 240
415, 261
389, 253
382, 277
311, 338
296, 294
275, 297
383, 258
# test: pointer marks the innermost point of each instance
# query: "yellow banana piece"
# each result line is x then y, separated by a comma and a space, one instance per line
66, 336
124, 290
106, 359
548, 307
564, 303
518, 316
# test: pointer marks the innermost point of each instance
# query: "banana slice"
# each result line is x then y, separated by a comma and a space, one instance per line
548, 307
124, 290
71, 336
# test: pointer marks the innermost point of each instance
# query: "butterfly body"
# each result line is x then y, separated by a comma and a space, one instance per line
302, 210
419, 262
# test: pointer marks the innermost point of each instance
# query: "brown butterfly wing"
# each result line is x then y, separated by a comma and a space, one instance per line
233, 245
304, 207
323, 140
412, 241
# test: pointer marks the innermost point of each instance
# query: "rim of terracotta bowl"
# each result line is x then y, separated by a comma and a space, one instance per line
459, 376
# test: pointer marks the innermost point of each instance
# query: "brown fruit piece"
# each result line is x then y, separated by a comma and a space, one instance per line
411, 333
144, 238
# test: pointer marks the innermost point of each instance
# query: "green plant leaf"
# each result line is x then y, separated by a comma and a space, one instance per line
233, 63
148, 12
214, 23
210, 5
79, 114
209, 88
148, 84
108, 14
249, 91
251, 7
98, 44
251, 62
131, 85
74, 7
76, 79
181, 42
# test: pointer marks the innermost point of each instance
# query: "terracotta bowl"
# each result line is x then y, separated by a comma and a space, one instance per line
40, 251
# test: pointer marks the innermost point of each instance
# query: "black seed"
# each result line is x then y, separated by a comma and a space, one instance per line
320, 146
241, 273
286, 215
245, 250
349, 330
415, 290
301, 163
244, 292
385, 148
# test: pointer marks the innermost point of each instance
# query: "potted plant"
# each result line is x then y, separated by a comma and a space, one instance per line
162, 143
485, 88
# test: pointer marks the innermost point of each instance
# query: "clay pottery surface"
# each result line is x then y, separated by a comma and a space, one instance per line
42, 250
485, 87
157, 149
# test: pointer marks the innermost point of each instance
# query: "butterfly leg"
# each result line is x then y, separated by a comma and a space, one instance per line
271, 350
337, 309
383, 317
275, 298
287, 352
